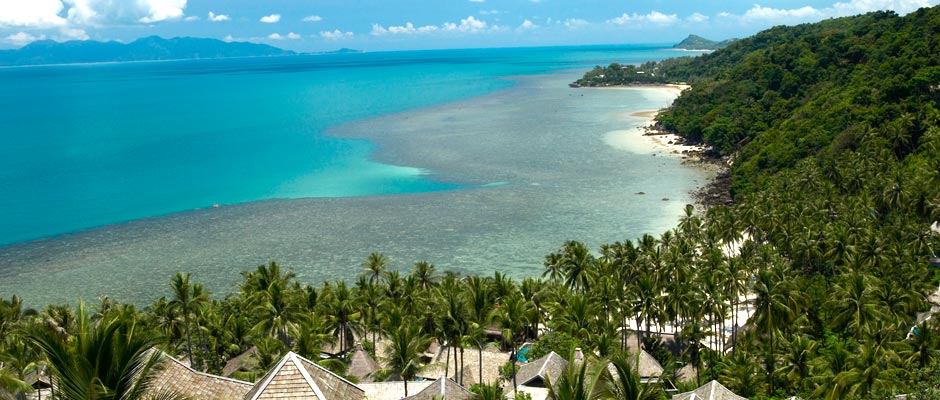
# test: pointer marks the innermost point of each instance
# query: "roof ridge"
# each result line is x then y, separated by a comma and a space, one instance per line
207, 375
303, 372
318, 366
258, 389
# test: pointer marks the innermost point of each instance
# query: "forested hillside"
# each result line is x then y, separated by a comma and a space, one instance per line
834, 134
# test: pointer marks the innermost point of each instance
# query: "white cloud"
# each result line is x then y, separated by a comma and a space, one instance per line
313, 18
218, 17
697, 18
407, 29
767, 13
526, 25
654, 17
771, 15
22, 38
277, 36
191, 18
228, 38
99, 12
336, 35
73, 34
863, 6
574, 23
469, 25
270, 19
489, 12
31, 13
477, 1
161, 10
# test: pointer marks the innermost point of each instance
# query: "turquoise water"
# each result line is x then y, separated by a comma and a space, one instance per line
474, 160
90, 145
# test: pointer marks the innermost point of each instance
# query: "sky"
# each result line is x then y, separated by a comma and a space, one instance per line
379, 25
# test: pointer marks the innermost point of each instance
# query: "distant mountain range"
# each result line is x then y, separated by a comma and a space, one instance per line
695, 42
144, 49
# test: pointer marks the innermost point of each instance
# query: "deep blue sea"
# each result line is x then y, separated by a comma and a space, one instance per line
90, 145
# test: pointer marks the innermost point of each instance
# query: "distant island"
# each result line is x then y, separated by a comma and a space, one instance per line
150, 48
341, 51
695, 42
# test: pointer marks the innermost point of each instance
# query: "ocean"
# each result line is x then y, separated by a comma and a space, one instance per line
118, 175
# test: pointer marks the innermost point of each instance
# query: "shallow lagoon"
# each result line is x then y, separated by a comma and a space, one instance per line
532, 159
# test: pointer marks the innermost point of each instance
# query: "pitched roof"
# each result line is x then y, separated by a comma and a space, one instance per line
535, 372
361, 365
245, 361
649, 367
391, 390
175, 376
710, 391
443, 388
295, 377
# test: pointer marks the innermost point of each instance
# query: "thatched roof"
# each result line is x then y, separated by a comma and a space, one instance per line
443, 388
648, 368
175, 376
391, 390
361, 365
536, 372
295, 377
710, 391
492, 360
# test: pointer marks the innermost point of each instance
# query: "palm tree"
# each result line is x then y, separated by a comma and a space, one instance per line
187, 299
375, 267
512, 317
310, 334
740, 373
775, 307
424, 273
479, 306
406, 342
110, 359
578, 381
344, 314
277, 314
854, 302
625, 384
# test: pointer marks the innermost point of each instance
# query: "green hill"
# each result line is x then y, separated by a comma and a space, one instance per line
695, 42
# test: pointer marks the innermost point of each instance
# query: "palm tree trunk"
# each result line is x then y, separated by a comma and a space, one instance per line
461, 366
406, 386
480, 365
189, 341
447, 364
512, 359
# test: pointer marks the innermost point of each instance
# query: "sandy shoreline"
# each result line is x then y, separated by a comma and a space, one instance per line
645, 138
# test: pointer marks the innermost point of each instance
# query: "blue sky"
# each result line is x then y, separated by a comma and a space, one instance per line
374, 25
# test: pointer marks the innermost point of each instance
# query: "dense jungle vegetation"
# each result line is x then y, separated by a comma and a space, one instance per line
833, 133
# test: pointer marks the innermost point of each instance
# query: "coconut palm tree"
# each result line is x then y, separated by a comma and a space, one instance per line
344, 314
187, 300
578, 381
776, 305
405, 344
625, 384
108, 359
375, 267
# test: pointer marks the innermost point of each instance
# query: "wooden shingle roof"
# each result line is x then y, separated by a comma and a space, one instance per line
535, 372
295, 377
710, 391
443, 388
177, 377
